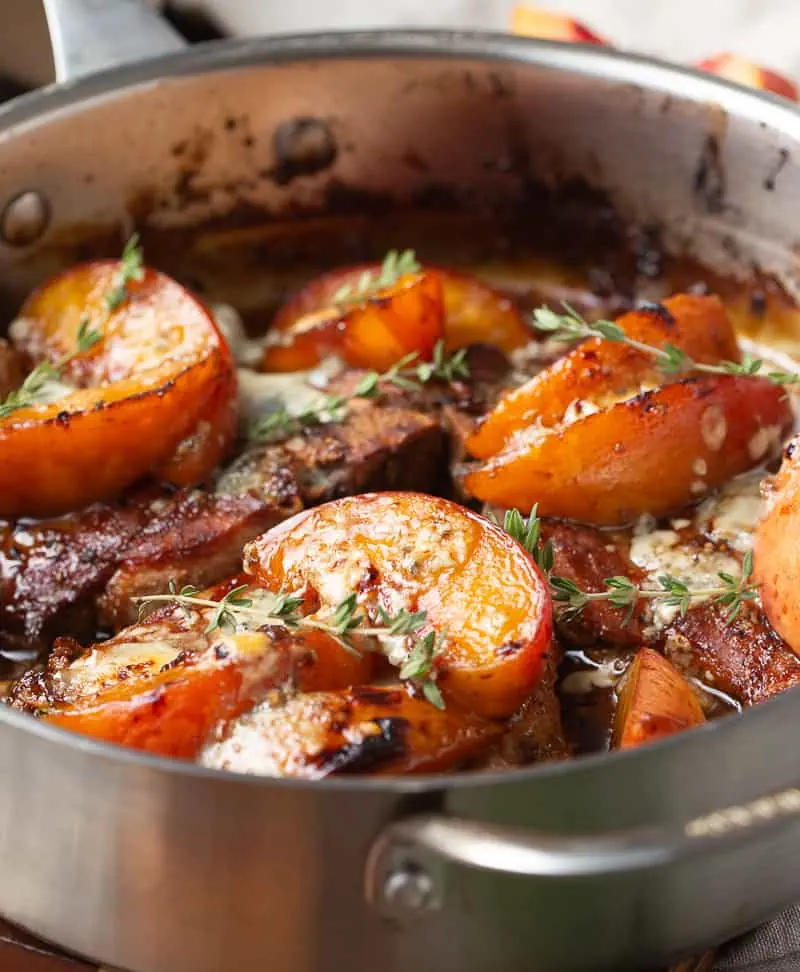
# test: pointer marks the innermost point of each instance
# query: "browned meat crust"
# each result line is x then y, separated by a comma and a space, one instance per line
376, 448
490, 374
746, 659
199, 542
52, 571
587, 556
536, 733
66, 575
37, 688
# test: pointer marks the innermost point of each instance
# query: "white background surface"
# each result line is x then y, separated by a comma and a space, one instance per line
768, 30
764, 30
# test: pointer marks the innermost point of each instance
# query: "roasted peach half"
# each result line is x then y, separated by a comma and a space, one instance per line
376, 729
598, 371
481, 592
655, 702
309, 327
167, 684
653, 453
403, 318
154, 395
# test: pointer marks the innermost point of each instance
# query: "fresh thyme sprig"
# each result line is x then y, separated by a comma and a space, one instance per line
621, 592
235, 609
529, 533
131, 268
670, 359
409, 374
395, 265
45, 373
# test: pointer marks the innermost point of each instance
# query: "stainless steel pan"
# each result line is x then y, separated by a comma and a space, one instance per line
607, 862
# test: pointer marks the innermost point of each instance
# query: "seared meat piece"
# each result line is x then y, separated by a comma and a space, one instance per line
489, 374
376, 448
746, 659
40, 687
373, 448
587, 556
199, 542
75, 572
72, 573
458, 426
535, 734
49, 569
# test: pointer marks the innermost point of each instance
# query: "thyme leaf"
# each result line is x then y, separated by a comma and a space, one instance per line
131, 268
231, 612
30, 391
408, 374
670, 360
528, 533
621, 592
395, 265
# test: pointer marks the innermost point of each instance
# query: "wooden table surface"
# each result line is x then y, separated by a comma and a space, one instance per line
21, 953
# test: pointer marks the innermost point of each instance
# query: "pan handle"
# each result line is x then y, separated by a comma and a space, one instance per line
91, 35
408, 859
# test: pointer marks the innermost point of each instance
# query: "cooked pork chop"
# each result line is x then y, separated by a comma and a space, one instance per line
69, 575
743, 658
375, 447
586, 556
490, 374
77, 572
536, 732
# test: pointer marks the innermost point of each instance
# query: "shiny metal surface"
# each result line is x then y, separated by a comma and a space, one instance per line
90, 35
159, 867
522, 852
24, 218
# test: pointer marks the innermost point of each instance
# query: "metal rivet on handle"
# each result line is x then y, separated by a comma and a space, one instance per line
400, 883
24, 218
303, 146
409, 889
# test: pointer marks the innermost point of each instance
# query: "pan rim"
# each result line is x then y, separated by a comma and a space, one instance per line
638, 70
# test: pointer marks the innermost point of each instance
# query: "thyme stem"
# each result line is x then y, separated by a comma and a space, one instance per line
672, 360
261, 615
395, 265
29, 392
345, 622
405, 374
621, 592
